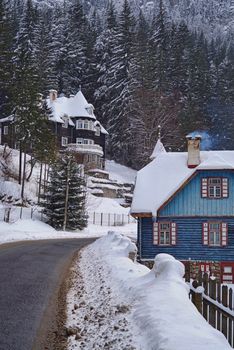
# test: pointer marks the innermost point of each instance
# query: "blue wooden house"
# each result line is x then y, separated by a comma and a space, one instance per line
184, 203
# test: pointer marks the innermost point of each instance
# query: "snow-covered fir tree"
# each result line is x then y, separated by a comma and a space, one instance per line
65, 195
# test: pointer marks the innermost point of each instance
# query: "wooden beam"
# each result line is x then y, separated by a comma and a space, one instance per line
141, 215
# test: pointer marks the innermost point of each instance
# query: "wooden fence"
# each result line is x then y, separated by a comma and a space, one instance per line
215, 302
110, 219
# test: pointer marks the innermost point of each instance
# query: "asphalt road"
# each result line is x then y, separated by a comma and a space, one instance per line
30, 276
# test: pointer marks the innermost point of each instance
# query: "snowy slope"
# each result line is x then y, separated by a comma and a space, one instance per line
120, 172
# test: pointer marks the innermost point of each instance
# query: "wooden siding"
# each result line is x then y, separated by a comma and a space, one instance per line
189, 241
188, 202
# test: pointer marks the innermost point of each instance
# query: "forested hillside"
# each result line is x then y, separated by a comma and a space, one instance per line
140, 69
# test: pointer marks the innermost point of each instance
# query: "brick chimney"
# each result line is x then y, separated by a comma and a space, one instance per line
53, 95
194, 142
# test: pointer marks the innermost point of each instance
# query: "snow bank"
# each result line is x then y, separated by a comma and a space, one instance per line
163, 317
120, 172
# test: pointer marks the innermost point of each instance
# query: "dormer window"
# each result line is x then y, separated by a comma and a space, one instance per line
65, 123
214, 187
98, 130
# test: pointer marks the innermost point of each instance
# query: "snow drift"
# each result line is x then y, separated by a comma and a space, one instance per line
163, 317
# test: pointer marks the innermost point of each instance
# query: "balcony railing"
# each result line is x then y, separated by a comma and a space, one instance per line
81, 148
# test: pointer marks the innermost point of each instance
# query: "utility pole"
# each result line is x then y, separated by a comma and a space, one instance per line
67, 191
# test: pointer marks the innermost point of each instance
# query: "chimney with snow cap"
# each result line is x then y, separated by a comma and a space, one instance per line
53, 95
194, 141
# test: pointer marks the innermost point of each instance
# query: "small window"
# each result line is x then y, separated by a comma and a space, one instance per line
164, 234
79, 141
79, 124
214, 187
97, 132
65, 123
91, 126
86, 124
5, 130
64, 141
214, 234
227, 269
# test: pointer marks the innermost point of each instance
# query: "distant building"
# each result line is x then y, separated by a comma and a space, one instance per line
75, 126
184, 203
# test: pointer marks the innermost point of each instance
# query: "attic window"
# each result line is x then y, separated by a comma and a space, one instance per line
214, 187
65, 123
98, 130
5, 130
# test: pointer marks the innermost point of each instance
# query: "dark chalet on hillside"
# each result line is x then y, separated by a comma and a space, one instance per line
76, 128
184, 203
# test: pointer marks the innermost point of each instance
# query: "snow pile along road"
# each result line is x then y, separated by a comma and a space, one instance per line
116, 303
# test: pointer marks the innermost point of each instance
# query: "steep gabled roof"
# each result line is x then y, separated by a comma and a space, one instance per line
161, 178
159, 148
74, 106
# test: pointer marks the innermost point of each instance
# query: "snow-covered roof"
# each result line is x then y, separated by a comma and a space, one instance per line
102, 129
159, 148
162, 177
73, 106
7, 119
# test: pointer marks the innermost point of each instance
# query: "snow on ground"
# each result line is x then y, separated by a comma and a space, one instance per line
33, 229
105, 205
118, 304
120, 172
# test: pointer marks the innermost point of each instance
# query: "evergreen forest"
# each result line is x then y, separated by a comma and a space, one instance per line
138, 72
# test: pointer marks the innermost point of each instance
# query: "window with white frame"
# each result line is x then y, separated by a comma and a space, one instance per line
214, 234
65, 123
84, 124
164, 234
79, 141
214, 187
5, 130
79, 124
64, 141
98, 130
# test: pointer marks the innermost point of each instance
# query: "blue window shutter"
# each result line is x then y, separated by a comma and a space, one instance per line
204, 187
155, 233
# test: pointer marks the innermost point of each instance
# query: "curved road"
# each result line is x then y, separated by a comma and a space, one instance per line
30, 276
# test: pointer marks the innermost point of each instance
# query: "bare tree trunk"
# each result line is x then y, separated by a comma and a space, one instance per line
44, 176
33, 163
20, 163
24, 176
40, 183
66, 197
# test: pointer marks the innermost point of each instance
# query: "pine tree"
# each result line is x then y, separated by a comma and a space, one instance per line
159, 44
75, 60
105, 48
120, 86
65, 197
6, 52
